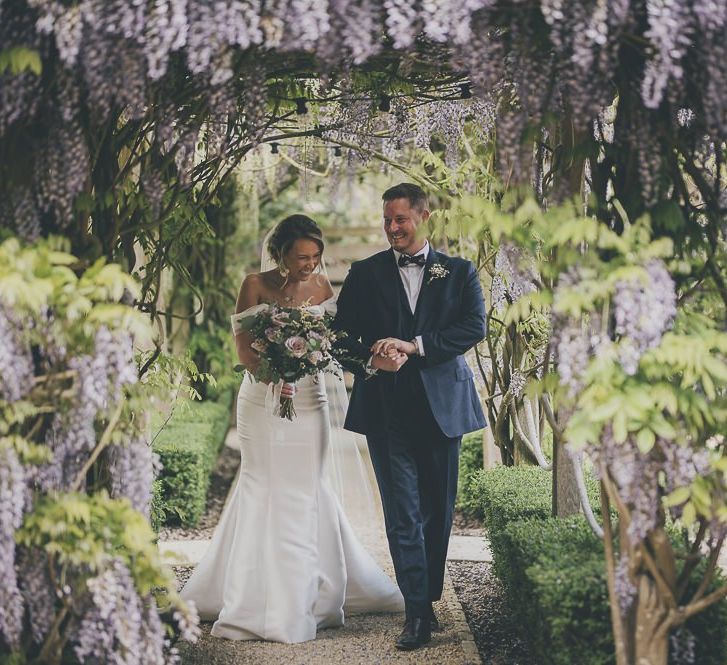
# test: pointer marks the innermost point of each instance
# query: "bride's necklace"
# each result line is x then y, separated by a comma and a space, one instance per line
289, 299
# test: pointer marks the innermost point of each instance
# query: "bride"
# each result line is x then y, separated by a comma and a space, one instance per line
284, 560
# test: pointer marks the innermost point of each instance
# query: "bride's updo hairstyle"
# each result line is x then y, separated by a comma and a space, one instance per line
295, 227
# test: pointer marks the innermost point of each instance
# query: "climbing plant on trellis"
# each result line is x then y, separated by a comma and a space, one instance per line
120, 121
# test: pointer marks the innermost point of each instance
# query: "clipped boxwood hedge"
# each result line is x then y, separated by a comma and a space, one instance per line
556, 583
509, 494
471, 461
554, 574
188, 447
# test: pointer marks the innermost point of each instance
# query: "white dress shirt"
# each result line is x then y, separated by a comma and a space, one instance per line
412, 276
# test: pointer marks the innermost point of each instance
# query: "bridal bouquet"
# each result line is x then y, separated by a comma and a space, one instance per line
292, 342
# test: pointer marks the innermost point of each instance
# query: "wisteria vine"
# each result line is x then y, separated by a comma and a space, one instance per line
175, 70
70, 436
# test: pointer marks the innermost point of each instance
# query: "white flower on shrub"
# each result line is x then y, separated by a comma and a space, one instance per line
296, 346
517, 383
714, 442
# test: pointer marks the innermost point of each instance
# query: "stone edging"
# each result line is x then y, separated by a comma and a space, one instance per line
459, 621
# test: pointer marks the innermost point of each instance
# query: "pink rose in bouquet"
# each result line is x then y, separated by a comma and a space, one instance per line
296, 346
325, 343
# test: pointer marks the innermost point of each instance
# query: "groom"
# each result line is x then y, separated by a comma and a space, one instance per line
410, 313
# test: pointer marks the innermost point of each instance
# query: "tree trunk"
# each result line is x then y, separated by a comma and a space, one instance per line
650, 644
568, 183
491, 454
565, 488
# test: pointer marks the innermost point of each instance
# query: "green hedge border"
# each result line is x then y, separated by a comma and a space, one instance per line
188, 447
554, 575
471, 461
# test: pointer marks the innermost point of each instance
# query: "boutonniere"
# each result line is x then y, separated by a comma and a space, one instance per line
437, 271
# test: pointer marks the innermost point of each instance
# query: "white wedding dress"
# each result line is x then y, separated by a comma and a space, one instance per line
284, 560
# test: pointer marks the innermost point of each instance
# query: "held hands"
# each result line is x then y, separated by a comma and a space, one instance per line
389, 363
390, 354
391, 345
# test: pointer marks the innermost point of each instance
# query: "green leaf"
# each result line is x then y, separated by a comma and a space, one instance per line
668, 215
677, 497
19, 59
689, 514
620, 427
645, 440
663, 428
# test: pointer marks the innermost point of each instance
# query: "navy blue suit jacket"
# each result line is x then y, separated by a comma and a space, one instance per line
450, 317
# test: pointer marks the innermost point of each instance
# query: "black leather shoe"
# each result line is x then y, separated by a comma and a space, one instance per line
434, 623
416, 633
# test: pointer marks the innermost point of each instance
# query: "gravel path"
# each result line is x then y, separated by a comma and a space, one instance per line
488, 614
366, 639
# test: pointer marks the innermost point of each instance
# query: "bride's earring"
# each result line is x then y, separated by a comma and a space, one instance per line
283, 269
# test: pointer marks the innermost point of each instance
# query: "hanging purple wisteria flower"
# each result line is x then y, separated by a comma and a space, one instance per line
644, 310
16, 362
12, 505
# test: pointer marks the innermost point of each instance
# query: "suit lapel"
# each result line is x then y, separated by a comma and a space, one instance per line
386, 274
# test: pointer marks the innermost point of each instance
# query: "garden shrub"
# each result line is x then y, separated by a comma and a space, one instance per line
471, 461
507, 494
555, 579
158, 514
554, 574
188, 446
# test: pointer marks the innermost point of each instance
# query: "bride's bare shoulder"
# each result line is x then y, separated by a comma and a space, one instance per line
261, 280
251, 290
269, 278
324, 286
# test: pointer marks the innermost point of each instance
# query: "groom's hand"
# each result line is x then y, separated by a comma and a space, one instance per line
392, 345
389, 363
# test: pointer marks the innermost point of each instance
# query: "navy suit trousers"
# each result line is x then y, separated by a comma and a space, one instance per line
416, 467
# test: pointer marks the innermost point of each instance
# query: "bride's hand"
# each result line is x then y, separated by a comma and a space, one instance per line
288, 391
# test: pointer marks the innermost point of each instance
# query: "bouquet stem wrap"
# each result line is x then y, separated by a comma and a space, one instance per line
287, 410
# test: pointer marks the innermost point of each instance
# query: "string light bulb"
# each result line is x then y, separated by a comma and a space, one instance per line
384, 103
464, 91
301, 106
274, 148
337, 151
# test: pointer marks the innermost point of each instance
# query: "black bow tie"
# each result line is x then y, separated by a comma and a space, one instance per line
418, 260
